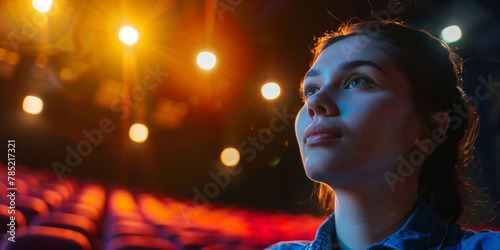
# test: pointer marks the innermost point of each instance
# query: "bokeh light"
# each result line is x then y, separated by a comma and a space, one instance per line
13, 58
271, 90
66, 74
42, 5
230, 157
206, 60
128, 35
32, 105
451, 34
138, 132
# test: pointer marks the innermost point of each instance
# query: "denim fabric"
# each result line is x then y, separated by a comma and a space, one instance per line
423, 230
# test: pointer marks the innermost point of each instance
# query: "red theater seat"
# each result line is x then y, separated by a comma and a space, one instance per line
29, 206
132, 242
31, 181
86, 210
128, 227
78, 223
93, 194
192, 239
60, 188
35, 237
82, 214
230, 247
51, 197
19, 221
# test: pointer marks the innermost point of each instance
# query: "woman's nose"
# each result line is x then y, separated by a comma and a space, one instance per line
321, 104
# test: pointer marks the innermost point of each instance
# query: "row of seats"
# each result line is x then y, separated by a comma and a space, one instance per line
79, 214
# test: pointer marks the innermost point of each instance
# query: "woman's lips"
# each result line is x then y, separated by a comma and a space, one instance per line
319, 134
320, 138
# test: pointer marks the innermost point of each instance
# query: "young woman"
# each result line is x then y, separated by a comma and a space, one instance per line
387, 126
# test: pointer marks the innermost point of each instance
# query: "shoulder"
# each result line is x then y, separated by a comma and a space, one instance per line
290, 245
485, 239
469, 239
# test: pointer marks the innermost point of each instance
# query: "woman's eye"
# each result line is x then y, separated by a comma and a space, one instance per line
359, 82
310, 90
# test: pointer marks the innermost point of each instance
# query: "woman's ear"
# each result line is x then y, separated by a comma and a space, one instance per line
442, 120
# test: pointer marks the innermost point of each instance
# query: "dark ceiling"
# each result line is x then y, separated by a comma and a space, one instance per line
73, 60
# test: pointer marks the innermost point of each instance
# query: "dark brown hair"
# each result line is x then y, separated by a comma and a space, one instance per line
434, 71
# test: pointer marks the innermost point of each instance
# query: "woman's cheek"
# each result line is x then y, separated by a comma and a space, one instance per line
300, 124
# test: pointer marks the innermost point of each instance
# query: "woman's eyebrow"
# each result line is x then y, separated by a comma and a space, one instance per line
313, 72
358, 63
344, 66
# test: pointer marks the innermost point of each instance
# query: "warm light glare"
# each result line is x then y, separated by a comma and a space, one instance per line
138, 133
271, 90
451, 34
128, 35
42, 5
206, 60
230, 157
32, 105
154, 209
66, 74
122, 201
13, 58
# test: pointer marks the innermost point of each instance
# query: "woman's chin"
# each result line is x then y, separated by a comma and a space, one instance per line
339, 173
323, 172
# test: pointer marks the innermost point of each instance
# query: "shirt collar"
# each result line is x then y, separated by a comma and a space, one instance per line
326, 236
424, 227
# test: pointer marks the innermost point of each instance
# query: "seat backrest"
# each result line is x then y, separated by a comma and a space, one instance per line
37, 237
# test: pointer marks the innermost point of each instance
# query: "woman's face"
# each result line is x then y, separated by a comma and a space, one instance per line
356, 119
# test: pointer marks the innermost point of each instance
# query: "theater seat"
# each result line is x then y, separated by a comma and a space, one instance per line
36, 237
19, 221
128, 227
29, 206
230, 247
193, 239
84, 214
86, 210
133, 242
78, 223
51, 197
92, 194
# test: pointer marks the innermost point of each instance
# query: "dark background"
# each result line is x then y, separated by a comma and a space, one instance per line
192, 114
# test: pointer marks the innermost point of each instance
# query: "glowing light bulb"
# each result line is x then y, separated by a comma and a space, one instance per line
206, 60
42, 5
32, 105
230, 157
128, 35
271, 90
451, 34
138, 132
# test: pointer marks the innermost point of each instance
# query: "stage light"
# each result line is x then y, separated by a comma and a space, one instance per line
42, 5
451, 34
138, 133
32, 105
230, 157
271, 90
128, 35
206, 60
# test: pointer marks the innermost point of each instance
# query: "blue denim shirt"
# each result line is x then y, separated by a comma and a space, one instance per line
423, 230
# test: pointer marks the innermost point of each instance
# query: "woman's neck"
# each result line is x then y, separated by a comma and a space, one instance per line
371, 212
